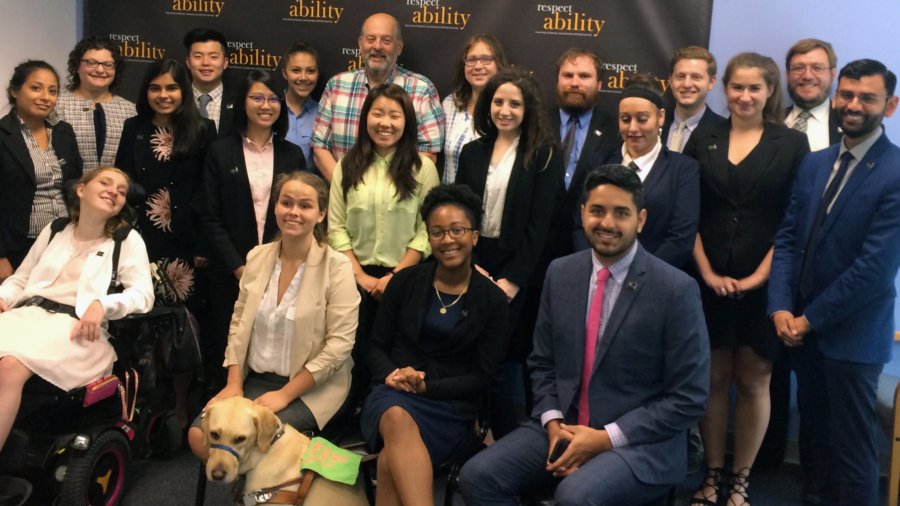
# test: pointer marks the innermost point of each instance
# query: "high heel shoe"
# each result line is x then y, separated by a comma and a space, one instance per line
740, 486
714, 480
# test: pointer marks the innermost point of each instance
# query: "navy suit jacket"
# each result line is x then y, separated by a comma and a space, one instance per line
226, 206
708, 121
601, 144
851, 303
651, 372
672, 200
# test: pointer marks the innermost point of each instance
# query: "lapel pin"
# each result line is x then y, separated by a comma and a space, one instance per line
99, 253
235, 170
632, 285
598, 133
229, 106
870, 165
711, 147
62, 161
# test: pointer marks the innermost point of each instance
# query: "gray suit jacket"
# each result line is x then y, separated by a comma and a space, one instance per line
651, 373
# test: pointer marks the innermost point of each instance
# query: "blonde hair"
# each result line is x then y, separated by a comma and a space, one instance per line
114, 223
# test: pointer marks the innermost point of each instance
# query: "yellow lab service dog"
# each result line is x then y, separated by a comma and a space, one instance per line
246, 438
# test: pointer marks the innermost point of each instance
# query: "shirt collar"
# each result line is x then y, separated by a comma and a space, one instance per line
215, 94
256, 147
860, 150
644, 162
819, 112
309, 106
619, 269
693, 121
584, 119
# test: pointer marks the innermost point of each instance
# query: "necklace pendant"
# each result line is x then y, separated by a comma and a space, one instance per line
443, 310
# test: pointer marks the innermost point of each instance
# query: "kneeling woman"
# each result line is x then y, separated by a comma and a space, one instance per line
295, 318
438, 337
53, 310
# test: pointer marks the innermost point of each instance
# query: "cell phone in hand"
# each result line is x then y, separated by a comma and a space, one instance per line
558, 449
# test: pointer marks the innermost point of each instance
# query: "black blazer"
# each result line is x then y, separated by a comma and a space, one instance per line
226, 113
17, 180
834, 130
741, 209
531, 194
226, 207
672, 201
708, 121
465, 366
601, 144
184, 177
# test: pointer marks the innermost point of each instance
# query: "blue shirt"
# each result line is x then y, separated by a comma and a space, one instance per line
300, 128
584, 120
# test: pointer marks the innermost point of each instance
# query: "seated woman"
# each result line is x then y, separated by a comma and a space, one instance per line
295, 318
438, 337
53, 310
37, 160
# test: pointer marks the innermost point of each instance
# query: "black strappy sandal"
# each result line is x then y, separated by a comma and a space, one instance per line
714, 479
740, 486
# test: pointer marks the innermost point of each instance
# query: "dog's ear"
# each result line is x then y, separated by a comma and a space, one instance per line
266, 424
204, 423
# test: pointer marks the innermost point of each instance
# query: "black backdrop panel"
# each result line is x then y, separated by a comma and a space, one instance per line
630, 36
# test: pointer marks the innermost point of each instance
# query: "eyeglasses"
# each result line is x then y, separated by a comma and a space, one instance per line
871, 99
470, 61
92, 64
800, 69
455, 232
259, 99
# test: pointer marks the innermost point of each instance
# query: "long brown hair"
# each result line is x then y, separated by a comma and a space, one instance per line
114, 223
463, 90
405, 162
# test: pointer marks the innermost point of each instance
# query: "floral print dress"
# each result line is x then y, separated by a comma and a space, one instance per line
164, 213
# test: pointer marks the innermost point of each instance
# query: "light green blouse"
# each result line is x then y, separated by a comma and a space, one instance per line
372, 222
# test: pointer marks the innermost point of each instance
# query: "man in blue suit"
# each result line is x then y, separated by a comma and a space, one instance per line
646, 377
831, 293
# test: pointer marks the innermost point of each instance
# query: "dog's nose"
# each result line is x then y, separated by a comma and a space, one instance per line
218, 474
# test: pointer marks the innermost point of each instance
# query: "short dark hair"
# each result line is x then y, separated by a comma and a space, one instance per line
98, 44
300, 47
21, 73
458, 195
204, 35
280, 127
865, 67
619, 176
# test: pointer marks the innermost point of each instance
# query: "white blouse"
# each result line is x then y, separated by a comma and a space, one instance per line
273, 328
495, 192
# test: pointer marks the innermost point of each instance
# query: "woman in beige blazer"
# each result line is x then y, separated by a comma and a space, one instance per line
295, 318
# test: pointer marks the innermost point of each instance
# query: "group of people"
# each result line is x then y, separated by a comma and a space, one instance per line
382, 247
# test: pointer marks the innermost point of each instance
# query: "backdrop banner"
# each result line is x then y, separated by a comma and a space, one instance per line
630, 37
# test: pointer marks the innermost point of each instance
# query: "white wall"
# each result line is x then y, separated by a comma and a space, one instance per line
37, 29
857, 29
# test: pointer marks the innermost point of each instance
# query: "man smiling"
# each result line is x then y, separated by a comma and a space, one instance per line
810, 66
337, 123
692, 75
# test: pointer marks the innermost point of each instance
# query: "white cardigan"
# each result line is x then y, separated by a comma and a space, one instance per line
44, 262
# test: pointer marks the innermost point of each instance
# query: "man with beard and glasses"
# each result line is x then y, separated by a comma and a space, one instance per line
810, 65
692, 75
831, 291
588, 138
337, 122
620, 369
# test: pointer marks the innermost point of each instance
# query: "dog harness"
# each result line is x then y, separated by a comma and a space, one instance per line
225, 448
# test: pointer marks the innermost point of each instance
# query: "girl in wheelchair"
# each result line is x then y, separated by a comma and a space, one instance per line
54, 308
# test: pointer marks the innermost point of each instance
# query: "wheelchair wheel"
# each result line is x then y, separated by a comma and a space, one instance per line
97, 476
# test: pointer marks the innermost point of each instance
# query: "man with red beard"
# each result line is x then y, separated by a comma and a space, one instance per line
588, 137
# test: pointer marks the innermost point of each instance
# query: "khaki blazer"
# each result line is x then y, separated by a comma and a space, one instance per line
324, 324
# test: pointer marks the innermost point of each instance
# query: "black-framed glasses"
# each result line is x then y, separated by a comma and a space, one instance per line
92, 64
470, 61
259, 99
455, 232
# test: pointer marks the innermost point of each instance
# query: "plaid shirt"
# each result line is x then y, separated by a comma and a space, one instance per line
80, 114
337, 122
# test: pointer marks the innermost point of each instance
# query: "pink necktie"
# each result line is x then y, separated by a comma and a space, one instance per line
590, 346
